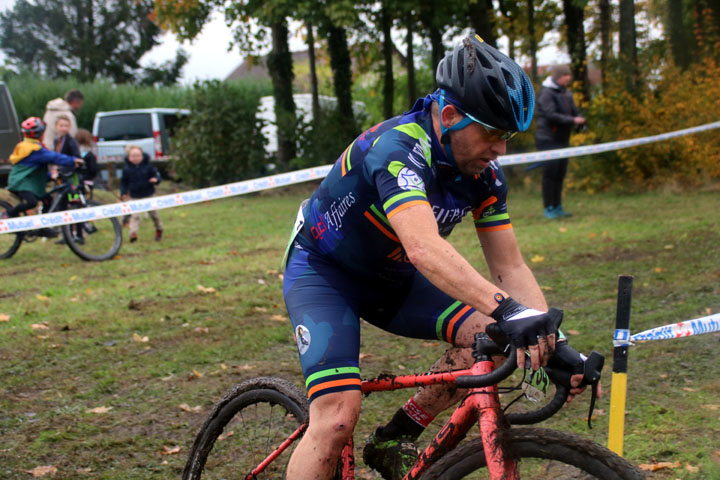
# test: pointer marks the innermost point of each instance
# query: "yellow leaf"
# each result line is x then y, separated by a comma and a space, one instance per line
279, 318
691, 468
197, 374
39, 326
206, 289
225, 435
42, 471
260, 309
592, 235
140, 339
88, 291
562, 229
651, 467
73, 278
169, 450
201, 330
669, 247
658, 269
187, 408
100, 410
223, 366
537, 259
546, 288
4, 318
42, 298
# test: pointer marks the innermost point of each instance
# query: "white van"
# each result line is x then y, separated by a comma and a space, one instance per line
149, 128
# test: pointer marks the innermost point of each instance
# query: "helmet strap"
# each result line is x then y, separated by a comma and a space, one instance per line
445, 131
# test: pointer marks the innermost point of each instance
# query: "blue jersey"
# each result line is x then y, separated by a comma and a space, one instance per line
388, 168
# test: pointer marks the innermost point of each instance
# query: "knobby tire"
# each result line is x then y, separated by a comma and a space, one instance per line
9, 242
572, 456
103, 237
269, 406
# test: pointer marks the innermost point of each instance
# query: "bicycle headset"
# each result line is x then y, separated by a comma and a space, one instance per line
487, 87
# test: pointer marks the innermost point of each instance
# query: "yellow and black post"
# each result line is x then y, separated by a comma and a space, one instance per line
621, 343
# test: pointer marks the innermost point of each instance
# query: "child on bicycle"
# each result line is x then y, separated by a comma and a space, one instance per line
29, 174
139, 178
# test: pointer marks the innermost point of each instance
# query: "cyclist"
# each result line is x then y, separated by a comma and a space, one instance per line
370, 243
29, 174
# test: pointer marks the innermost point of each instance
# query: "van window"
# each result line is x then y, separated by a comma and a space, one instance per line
125, 127
170, 122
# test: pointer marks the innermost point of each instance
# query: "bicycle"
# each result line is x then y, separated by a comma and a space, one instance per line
92, 240
277, 409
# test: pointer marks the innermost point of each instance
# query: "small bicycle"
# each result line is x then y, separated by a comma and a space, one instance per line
94, 240
249, 434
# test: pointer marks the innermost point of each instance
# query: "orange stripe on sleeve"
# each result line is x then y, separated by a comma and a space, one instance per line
406, 205
335, 383
486, 203
380, 227
507, 226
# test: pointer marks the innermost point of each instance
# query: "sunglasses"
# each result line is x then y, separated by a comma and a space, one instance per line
492, 131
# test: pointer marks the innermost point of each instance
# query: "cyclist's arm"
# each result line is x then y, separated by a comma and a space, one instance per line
439, 262
508, 269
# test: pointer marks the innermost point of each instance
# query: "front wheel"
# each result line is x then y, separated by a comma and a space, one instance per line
9, 242
244, 428
94, 240
540, 454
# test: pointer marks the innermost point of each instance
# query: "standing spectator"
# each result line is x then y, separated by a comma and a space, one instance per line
69, 107
139, 178
557, 115
87, 147
64, 142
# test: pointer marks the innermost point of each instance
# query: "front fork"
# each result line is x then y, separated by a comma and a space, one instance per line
481, 404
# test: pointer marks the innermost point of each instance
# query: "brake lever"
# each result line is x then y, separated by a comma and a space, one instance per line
593, 371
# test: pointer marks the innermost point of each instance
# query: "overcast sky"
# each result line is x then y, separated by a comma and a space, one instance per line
210, 58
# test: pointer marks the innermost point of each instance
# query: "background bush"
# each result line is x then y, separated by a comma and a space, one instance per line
221, 141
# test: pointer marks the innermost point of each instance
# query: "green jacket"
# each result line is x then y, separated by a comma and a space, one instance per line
30, 160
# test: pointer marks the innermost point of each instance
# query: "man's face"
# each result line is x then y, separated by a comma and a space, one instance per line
76, 104
473, 147
564, 81
62, 127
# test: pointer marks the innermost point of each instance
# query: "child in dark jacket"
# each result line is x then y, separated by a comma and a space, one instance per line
139, 178
86, 144
29, 175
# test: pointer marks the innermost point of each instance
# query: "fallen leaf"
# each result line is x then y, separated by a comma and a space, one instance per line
100, 410
664, 376
42, 298
261, 281
592, 235
4, 318
197, 374
711, 407
73, 278
207, 262
169, 450
187, 408
669, 247
201, 330
691, 469
279, 318
430, 344
84, 470
537, 259
88, 291
39, 326
562, 229
206, 289
223, 366
233, 252
42, 471
246, 366
366, 355
651, 467
688, 389
223, 436
260, 309
546, 288
658, 269
573, 332
140, 339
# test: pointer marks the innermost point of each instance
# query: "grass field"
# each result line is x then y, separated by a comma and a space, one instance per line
107, 368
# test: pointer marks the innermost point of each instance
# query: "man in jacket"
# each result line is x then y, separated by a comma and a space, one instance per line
68, 106
557, 115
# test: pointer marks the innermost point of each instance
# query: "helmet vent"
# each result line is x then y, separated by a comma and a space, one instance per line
509, 79
461, 68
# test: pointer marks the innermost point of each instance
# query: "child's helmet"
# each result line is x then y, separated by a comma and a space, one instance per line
33, 127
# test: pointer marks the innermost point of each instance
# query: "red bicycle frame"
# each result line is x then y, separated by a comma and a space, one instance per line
480, 405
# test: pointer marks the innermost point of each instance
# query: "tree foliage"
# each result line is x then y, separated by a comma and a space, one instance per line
87, 39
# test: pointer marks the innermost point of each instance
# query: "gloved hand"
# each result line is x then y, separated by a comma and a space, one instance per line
526, 328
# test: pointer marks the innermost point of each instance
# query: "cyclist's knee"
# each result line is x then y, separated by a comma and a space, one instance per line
473, 324
333, 418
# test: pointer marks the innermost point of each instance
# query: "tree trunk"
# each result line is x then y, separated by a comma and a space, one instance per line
628, 46
574, 18
533, 41
437, 49
677, 37
388, 79
481, 20
313, 74
280, 68
605, 39
412, 88
342, 78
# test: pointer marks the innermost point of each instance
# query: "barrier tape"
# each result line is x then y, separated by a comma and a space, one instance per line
265, 183
708, 324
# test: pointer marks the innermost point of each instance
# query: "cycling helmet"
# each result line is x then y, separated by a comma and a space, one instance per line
487, 85
33, 127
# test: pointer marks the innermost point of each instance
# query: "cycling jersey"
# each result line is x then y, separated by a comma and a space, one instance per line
347, 263
392, 166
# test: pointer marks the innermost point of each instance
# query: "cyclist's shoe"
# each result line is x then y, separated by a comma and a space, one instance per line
158, 235
133, 237
392, 458
48, 233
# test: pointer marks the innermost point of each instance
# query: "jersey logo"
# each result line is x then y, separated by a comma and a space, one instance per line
409, 180
302, 337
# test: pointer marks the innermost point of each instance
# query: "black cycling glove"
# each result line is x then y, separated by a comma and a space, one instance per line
522, 325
